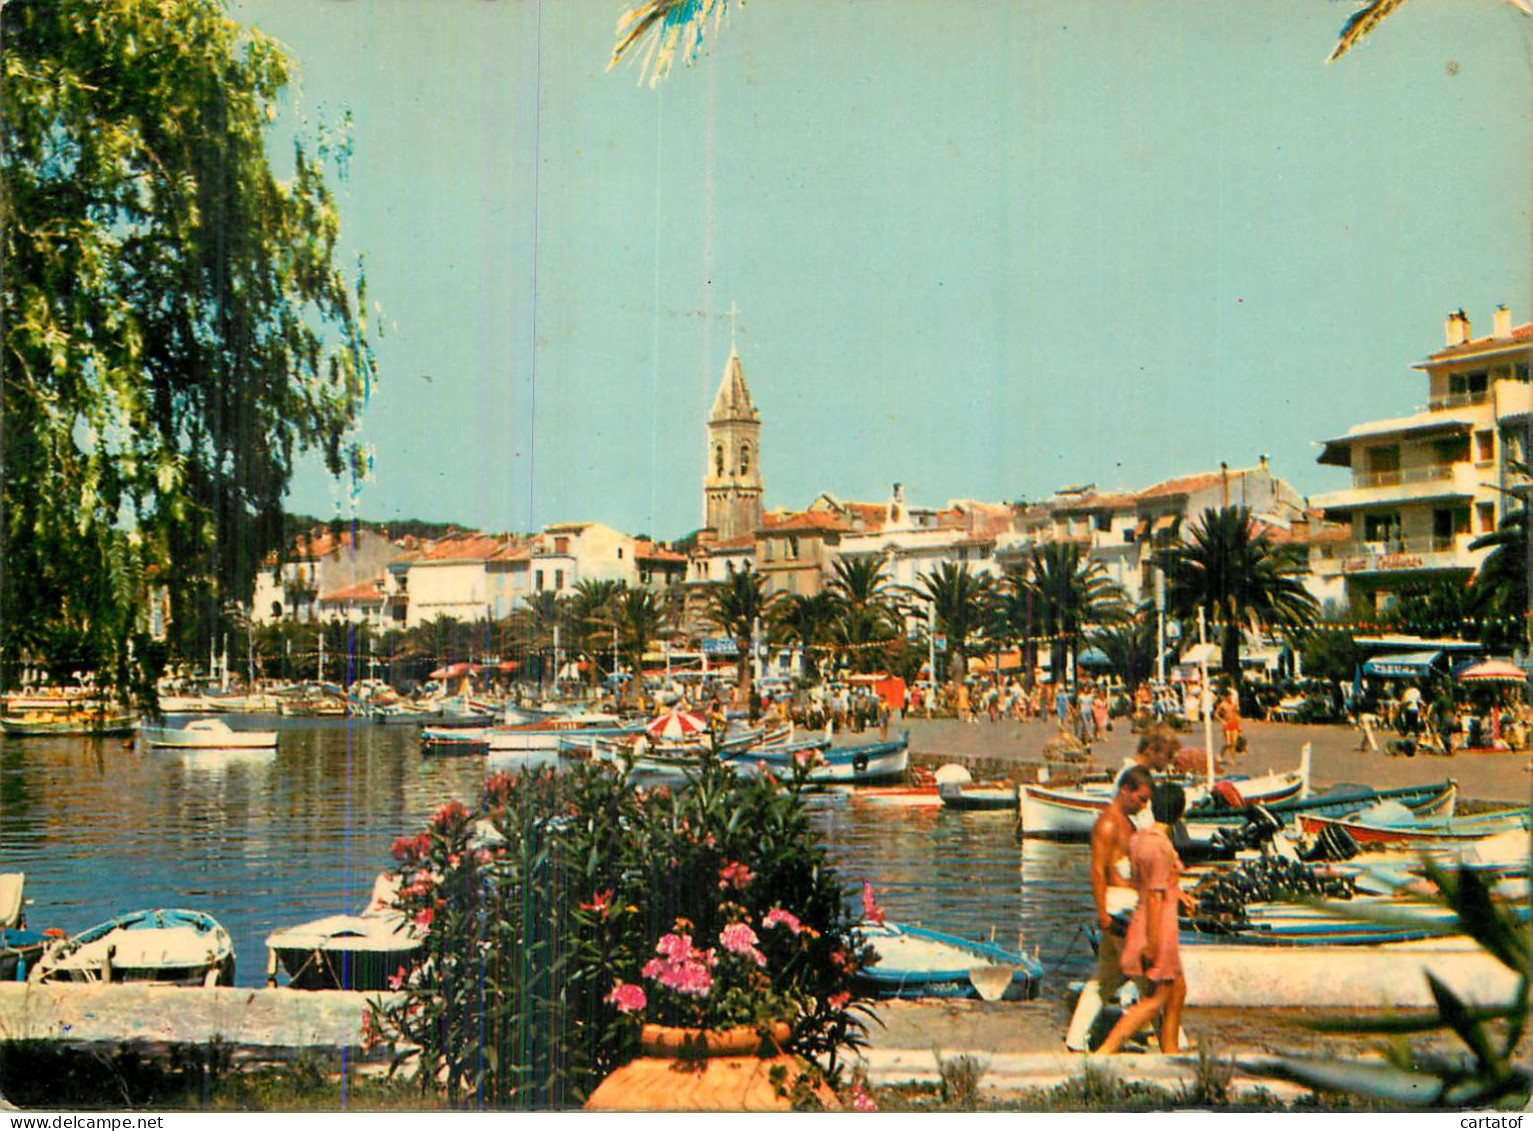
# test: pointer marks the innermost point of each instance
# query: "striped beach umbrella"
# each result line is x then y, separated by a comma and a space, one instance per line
676, 726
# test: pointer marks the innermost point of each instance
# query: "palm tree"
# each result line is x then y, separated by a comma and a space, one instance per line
962, 600
640, 617
735, 606
1129, 648
669, 27
591, 616
806, 621
1068, 591
1498, 591
1238, 578
868, 615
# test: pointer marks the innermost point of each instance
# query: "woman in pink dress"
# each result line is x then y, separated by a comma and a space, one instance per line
1151, 953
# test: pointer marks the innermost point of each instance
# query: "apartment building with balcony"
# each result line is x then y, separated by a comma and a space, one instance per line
1426, 485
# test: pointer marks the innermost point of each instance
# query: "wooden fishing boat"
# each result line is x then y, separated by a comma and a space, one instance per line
68, 723
914, 962
164, 946
1004, 795
455, 740
343, 952
546, 734
19, 947
1341, 971
208, 734
869, 763
1069, 814
1367, 828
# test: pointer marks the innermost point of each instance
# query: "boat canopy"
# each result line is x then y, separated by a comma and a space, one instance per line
1405, 665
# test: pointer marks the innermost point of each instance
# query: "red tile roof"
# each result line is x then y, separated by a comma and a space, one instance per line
1184, 485
646, 550
367, 591
467, 548
809, 521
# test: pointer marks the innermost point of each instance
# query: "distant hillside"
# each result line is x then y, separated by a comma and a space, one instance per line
296, 524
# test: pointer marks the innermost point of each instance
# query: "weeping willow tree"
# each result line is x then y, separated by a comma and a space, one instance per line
176, 329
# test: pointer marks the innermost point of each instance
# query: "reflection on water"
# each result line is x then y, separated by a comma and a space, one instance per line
263, 839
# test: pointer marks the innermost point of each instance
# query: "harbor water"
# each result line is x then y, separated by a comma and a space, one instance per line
267, 839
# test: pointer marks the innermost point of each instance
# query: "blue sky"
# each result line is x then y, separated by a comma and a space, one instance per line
985, 249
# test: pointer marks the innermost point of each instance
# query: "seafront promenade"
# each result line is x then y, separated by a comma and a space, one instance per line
1015, 749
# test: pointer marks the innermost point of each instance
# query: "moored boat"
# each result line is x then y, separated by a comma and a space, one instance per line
455, 740
979, 795
343, 952
915, 962
161, 946
208, 734
68, 724
868, 763
1400, 826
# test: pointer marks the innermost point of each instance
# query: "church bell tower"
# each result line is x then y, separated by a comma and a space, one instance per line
732, 483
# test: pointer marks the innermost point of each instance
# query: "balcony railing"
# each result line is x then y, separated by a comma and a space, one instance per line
1432, 473
1431, 545
1456, 400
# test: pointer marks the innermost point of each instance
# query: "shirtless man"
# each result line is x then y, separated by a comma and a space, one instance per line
1114, 896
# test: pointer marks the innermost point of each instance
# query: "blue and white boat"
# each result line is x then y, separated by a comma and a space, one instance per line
160, 946
915, 962
870, 763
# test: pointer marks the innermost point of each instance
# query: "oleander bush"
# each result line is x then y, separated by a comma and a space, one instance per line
571, 907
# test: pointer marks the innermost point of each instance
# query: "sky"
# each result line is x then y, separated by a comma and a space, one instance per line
983, 249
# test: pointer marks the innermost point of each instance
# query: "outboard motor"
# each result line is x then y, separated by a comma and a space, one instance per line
1332, 843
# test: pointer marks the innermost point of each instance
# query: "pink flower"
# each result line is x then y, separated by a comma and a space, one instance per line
778, 917
737, 938
675, 947
838, 1001
735, 875
694, 980
628, 997
861, 1101
653, 968
450, 816
397, 979
871, 911
423, 920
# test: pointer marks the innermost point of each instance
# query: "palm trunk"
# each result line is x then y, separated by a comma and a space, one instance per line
1229, 658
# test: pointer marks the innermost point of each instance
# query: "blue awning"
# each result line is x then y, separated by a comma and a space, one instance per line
1093, 658
1404, 665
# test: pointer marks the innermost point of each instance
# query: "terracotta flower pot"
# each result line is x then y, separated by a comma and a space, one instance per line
695, 1044
707, 1070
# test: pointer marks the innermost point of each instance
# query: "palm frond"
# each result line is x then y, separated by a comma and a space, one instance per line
1361, 22
668, 28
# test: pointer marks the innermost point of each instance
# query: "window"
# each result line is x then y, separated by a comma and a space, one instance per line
1104, 523
1485, 446
718, 459
1380, 527
745, 459
620, 553
558, 579
538, 581
1485, 517
561, 545
793, 546
1385, 458
766, 550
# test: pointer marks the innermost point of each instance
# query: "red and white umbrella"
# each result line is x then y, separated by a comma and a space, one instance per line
455, 671
676, 726
1491, 671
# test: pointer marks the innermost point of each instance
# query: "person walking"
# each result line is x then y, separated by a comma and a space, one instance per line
1151, 948
1114, 896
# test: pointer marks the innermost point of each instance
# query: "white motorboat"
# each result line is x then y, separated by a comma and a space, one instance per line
208, 734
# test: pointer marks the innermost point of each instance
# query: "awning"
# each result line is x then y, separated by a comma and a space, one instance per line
1164, 522
1201, 654
1093, 658
1406, 665
1490, 671
1337, 451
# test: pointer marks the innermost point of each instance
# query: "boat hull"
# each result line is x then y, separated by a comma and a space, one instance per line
1070, 814
197, 736
160, 947
965, 797
1426, 832
1363, 976
343, 952
914, 962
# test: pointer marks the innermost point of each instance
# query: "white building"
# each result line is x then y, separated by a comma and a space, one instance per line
1424, 486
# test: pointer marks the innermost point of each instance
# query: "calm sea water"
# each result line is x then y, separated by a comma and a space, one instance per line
262, 840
